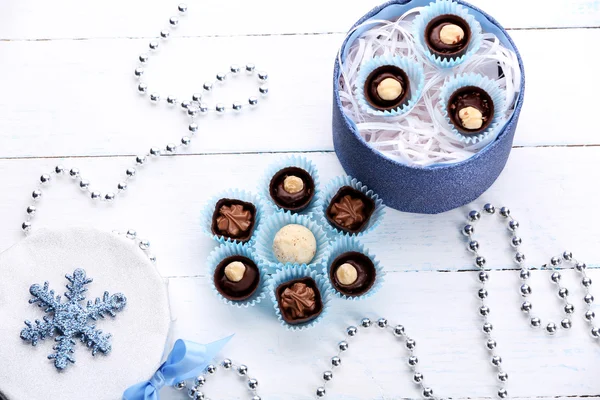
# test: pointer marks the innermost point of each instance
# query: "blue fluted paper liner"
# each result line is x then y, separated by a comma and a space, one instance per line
265, 235
489, 86
345, 244
209, 209
237, 249
416, 78
436, 9
331, 190
290, 272
292, 161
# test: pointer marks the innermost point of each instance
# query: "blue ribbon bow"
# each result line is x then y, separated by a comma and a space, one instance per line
186, 360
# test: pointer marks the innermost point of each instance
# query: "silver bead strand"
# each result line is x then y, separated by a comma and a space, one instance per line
566, 258
220, 78
588, 298
193, 109
484, 311
382, 325
196, 388
555, 277
143, 244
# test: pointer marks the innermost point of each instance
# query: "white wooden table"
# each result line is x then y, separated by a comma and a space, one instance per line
67, 96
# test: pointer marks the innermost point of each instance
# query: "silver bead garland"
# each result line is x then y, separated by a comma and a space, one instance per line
196, 389
566, 258
194, 108
381, 324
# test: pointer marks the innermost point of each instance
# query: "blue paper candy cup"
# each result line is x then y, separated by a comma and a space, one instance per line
350, 244
206, 217
433, 189
413, 70
482, 82
292, 161
442, 7
237, 249
332, 189
289, 273
266, 234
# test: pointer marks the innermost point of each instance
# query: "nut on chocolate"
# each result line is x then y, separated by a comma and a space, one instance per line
292, 189
346, 274
387, 88
236, 278
470, 117
235, 270
451, 34
362, 266
292, 184
471, 110
447, 36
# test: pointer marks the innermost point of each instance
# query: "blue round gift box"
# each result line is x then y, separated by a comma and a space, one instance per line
425, 190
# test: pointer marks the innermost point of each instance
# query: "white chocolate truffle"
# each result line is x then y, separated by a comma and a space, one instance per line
451, 34
346, 274
470, 118
295, 244
389, 89
235, 270
292, 184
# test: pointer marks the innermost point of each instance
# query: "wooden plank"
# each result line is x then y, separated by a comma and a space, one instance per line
437, 309
29, 19
548, 189
83, 92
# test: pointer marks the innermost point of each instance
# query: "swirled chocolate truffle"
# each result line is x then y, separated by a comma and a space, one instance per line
350, 210
237, 278
387, 88
352, 273
234, 219
292, 189
448, 36
471, 110
299, 300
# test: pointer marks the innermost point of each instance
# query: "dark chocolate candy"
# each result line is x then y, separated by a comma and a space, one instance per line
434, 42
365, 270
470, 96
350, 210
243, 289
292, 201
234, 219
379, 75
299, 300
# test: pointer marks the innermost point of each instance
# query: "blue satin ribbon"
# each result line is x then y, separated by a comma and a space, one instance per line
186, 360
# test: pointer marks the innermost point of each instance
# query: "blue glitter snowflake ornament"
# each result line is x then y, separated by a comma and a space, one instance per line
70, 319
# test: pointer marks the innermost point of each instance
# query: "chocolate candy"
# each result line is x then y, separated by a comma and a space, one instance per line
350, 210
294, 243
352, 273
234, 219
233, 285
299, 300
448, 36
471, 110
387, 88
292, 189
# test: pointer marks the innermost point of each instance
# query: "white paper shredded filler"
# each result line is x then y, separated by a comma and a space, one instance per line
422, 136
